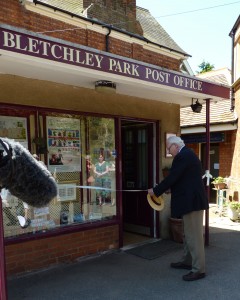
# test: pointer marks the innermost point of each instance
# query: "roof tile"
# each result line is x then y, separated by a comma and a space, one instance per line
73, 6
153, 31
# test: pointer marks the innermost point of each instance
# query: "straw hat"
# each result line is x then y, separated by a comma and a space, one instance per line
156, 203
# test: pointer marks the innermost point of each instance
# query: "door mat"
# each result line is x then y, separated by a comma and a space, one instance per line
154, 250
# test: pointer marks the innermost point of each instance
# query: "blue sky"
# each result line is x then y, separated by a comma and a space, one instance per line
204, 34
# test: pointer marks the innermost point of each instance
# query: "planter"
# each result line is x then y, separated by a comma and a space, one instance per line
220, 186
233, 213
176, 228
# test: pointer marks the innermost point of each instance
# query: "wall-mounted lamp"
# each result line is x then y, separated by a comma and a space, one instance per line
105, 86
197, 107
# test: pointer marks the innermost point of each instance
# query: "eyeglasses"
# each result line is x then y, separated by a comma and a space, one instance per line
169, 148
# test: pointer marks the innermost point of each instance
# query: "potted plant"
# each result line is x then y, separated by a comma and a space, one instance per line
219, 183
233, 210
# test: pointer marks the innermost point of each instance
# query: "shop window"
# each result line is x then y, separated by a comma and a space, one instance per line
81, 156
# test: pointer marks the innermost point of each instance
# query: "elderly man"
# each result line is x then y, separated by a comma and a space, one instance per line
188, 201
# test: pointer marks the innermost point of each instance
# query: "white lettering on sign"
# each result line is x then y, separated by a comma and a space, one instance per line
23, 43
123, 67
157, 75
49, 50
68, 54
89, 59
45, 46
33, 45
54, 50
187, 82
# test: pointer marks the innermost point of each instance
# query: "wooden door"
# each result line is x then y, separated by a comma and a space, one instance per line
137, 178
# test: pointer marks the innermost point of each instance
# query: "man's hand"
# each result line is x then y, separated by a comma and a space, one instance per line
150, 192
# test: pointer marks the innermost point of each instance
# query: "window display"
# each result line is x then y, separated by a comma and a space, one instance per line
14, 128
81, 156
100, 167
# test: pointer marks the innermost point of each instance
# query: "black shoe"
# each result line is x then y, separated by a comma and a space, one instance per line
193, 276
180, 265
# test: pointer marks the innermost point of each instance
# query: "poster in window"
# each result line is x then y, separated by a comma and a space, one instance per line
63, 144
14, 128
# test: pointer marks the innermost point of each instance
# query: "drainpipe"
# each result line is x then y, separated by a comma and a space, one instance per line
107, 38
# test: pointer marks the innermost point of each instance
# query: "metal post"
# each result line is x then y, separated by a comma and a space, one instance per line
3, 286
207, 167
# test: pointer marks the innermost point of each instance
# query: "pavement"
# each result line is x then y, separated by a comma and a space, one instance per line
117, 275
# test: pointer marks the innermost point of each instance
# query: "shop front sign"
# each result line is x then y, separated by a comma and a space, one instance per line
40, 46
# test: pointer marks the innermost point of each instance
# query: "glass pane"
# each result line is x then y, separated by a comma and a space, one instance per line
81, 155
142, 159
100, 154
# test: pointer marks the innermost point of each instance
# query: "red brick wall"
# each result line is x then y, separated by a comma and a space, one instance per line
42, 253
160, 60
120, 13
226, 150
13, 13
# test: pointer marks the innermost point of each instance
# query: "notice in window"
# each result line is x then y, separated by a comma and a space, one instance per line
63, 144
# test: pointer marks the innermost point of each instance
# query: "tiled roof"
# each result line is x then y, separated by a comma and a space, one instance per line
220, 76
73, 6
218, 79
153, 31
219, 112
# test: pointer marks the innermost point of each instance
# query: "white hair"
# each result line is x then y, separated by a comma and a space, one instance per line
175, 140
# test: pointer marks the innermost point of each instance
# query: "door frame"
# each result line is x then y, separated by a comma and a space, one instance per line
153, 150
